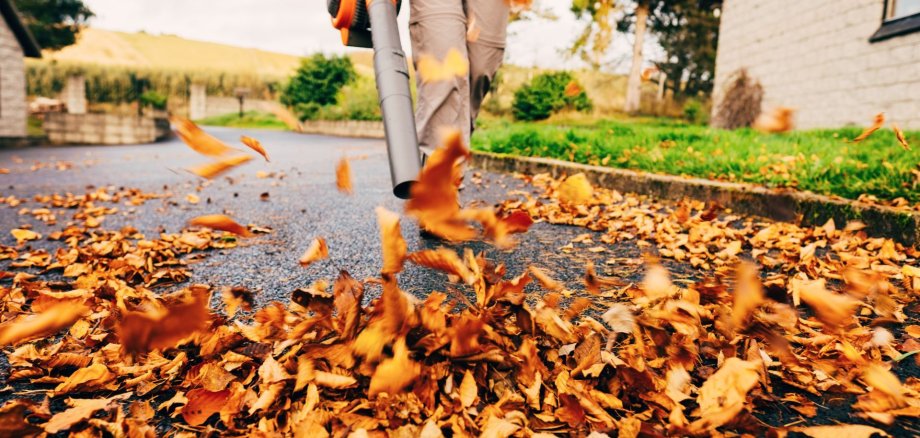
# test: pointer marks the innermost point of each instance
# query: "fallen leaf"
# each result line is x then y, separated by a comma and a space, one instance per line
79, 411
841, 431
394, 247
197, 139
834, 309
445, 260
255, 145
220, 222
748, 295
468, 389
575, 190
454, 65
202, 404
724, 394
22, 236
166, 325
394, 374
93, 376
343, 176
619, 317
47, 323
899, 134
315, 252
213, 169
434, 199
545, 280
876, 125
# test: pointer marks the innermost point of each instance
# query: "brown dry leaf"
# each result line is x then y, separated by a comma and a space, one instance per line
748, 295
197, 139
237, 298
657, 282
255, 145
315, 252
166, 325
834, 309
93, 376
394, 247
876, 125
220, 222
572, 89
454, 65
202, 404
435, 201
595, 284
47, 323
619, 317
394, 374
899, 134
881, 379
80, 410
214, 377
545, 280
445, 260
913, 330
575, 190
724, 394
22, 235
775, 122
213, 169
473, 31
343, 176
334, 381
841, 431
468, 390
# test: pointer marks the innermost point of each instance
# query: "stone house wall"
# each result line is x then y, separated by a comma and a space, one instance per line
13, 108
815, 56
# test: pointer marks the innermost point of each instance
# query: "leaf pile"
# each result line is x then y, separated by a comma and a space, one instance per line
95, 349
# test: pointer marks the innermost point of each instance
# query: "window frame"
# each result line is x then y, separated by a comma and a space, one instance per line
895, 27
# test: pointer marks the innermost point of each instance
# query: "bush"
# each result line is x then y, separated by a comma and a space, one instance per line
153, 99
741, 103
549, 93
317, 83
696, 112
357, 101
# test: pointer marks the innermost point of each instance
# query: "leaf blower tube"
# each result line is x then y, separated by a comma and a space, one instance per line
373, 24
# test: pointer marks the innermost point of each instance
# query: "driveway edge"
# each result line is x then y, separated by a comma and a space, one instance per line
787, 205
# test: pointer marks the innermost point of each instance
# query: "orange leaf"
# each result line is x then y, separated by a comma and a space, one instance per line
202, 404
197, 139
220, 222
748, 295
833, 309
572, 89
780, 120
841, 431
473, 31
881, 379
166, 325
468, 389
575, 190
394, 247
92, 376
211, 170
445, 260
723, 394
900, 136
315, 252
393, 375
876, 125
434, 201
81, 410
47, 323
545, 280
343, 176
454, 65
22, 235
255, 145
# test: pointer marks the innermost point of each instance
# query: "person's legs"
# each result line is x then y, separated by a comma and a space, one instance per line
490, 17
436, 27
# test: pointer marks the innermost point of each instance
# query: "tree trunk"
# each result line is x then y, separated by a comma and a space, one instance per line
634, 85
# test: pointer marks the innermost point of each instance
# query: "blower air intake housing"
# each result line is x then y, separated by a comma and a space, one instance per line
352, 19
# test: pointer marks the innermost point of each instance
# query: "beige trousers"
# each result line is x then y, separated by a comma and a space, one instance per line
435, 27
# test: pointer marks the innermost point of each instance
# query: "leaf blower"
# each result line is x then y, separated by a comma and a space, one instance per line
372, 24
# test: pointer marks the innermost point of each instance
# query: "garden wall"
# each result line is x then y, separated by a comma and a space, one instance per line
344, 128
107, 129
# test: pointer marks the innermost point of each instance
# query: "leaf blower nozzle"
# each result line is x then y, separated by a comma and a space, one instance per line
372, 24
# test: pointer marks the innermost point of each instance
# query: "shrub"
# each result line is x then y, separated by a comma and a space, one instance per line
741, 102
696, 112
153, 99
357, 101
549, 93
317, 83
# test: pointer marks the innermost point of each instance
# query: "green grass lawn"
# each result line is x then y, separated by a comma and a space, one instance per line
822, 161
250, 119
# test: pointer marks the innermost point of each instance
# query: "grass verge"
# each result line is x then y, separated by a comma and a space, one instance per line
823, 161
250, 120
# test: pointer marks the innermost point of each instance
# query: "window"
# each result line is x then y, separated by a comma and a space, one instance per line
901, 8
900, 17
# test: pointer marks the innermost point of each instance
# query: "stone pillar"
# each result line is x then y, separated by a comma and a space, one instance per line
197, 102
74, 95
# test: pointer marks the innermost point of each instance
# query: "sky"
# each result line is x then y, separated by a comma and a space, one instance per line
301, 27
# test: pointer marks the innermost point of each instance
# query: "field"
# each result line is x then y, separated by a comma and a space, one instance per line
822, 161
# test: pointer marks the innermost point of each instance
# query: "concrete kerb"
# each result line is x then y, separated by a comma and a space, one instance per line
785, 205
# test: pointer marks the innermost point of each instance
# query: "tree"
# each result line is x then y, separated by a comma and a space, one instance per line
595, 40
54, 23
317, 83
